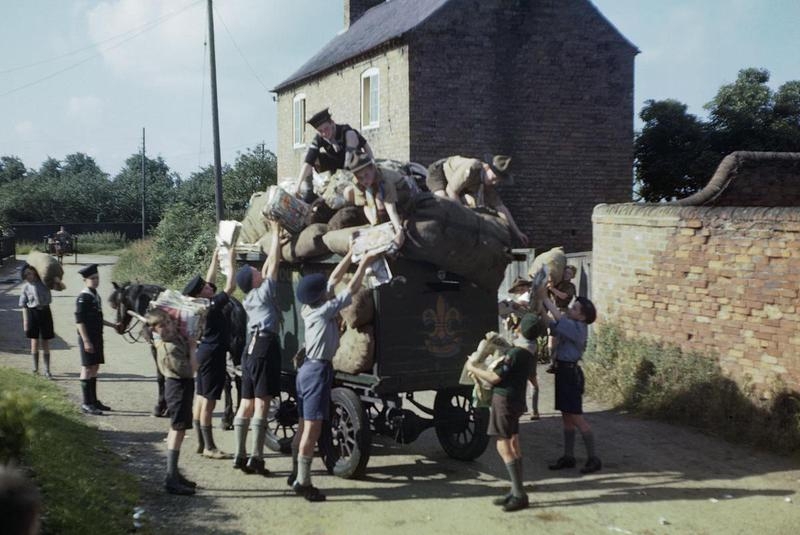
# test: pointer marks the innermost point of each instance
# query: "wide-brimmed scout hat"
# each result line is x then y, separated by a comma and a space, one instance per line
194, 286
312, 288
320, 117
500, 163
359, 162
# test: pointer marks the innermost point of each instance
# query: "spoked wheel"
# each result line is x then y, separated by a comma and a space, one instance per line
460, 426
282, 422
346, 440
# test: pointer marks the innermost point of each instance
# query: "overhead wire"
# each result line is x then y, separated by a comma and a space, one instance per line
239, 50
98, 43
160, 20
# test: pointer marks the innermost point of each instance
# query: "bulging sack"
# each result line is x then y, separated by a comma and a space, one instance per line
356, 351
307, 244
48, 268
474, 245
254, 227
552, 262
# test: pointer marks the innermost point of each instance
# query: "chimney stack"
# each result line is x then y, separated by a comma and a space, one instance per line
354, 9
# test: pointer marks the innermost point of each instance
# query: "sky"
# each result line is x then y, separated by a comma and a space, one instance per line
87, 76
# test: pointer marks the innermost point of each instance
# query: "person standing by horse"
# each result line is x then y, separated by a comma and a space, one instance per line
89, 321
261, 363
211, 354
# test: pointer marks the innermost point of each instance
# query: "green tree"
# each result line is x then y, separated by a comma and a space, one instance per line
255, 170
50, 168
159, 189
676, 153
11, 168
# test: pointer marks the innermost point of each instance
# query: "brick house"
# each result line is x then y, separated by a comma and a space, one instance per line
549, 82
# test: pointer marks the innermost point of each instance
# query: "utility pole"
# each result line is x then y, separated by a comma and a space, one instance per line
215, 114
144, 220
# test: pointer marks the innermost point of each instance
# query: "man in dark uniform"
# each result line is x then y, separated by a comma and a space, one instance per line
89, 321
211, 354
333, 148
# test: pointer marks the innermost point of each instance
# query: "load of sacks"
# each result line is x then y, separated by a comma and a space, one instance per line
474, 244
48, 268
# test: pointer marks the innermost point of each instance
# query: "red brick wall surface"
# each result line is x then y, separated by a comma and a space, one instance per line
721, 281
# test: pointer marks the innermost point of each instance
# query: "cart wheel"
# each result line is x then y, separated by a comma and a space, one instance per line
346, 442
460, 426
282, 423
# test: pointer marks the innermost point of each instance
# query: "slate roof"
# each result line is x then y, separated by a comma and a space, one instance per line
387, 21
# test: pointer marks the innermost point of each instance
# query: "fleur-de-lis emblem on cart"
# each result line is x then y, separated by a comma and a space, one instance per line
444, 324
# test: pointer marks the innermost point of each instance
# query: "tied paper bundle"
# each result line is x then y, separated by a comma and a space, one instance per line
227, 234
288, 209
491, 351
189, 312
372, 239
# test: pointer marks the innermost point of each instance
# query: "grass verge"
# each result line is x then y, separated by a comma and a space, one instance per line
661, 381
84, 485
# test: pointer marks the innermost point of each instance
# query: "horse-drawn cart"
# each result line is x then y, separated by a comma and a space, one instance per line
61, 245
426, 322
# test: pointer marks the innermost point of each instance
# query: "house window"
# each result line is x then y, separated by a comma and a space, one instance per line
299, 120
370, 99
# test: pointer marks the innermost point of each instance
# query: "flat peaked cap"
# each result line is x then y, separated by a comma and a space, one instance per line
194, 286
319, 118
500, 164
88, 271
359, 162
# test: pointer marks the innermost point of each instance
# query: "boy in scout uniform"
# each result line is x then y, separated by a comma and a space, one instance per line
333, 148
89, 321
211, 354
472, 182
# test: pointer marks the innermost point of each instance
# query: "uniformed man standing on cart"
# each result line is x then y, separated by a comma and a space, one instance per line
333, 148
89, 321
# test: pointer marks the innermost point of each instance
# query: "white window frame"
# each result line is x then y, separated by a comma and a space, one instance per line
370, 98
299, 126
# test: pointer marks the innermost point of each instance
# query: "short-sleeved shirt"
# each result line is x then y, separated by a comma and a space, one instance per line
389, 187
568, 288
335, 150
35, 294
571, 336
215, 332
321, 328
465, 175
261, 307
514, 371
173, 357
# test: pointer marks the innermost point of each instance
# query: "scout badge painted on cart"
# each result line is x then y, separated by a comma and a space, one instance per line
444, 323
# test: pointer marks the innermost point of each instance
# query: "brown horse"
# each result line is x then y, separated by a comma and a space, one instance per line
137, 298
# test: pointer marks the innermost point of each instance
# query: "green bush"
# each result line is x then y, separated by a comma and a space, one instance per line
180, 248
16, 413
95, 242
661, 381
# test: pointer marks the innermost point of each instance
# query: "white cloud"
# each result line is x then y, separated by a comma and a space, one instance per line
24, 128
85, 109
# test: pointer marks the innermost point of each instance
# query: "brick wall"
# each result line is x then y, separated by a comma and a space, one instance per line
549, 82
341, 91
717, 280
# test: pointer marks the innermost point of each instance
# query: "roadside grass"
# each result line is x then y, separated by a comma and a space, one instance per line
660, 381
84, 485
89, 243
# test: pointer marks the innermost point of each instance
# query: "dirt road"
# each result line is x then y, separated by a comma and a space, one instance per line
656, 478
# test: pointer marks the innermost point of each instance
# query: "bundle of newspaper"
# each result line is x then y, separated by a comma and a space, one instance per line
189, 312
227, 235
286, 208
491, 351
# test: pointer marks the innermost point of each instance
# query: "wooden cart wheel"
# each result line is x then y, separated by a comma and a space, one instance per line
346, 440
460, 426
282, 422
